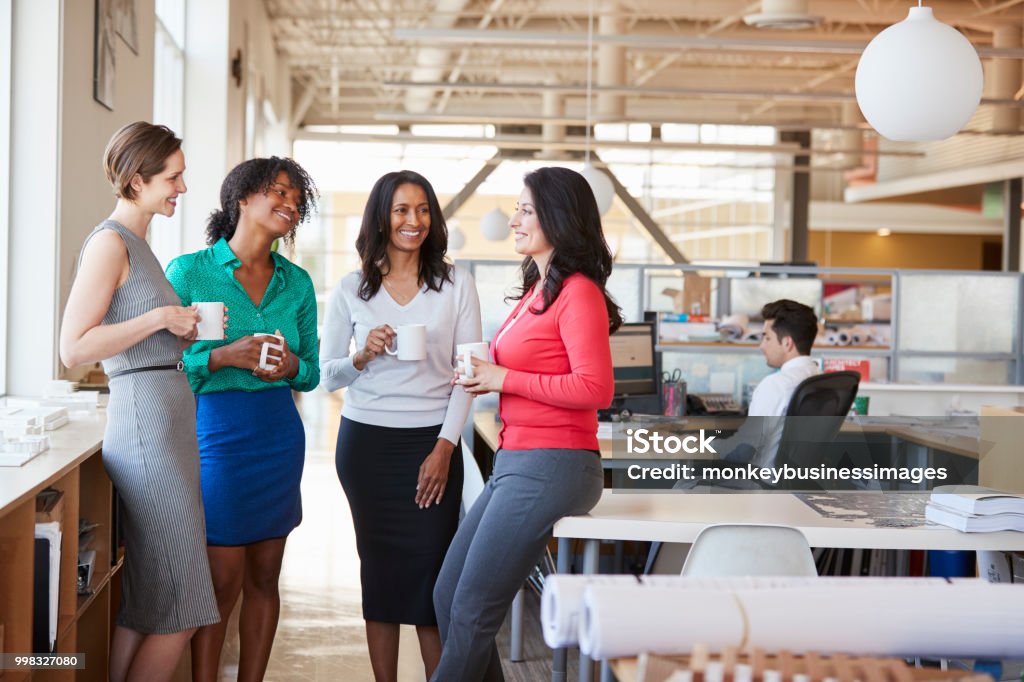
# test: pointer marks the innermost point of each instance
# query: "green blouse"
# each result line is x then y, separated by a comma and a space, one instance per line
289, 304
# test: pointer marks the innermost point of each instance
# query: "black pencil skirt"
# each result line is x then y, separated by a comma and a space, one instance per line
401, 547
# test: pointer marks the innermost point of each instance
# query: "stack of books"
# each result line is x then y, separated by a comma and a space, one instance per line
973, 509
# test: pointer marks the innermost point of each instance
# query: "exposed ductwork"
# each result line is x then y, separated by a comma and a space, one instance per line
431, 62
783, 14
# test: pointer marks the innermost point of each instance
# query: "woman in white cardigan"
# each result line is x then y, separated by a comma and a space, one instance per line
398, 453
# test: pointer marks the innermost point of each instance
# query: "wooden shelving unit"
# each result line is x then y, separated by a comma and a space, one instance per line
74, 466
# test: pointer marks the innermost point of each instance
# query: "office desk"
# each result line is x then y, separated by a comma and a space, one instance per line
680, 517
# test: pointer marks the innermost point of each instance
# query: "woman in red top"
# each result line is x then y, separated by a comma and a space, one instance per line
553, 369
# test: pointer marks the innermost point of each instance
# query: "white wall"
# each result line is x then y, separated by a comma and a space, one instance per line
215, 104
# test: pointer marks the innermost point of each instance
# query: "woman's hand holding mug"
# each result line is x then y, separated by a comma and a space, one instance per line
486, 377
377, 340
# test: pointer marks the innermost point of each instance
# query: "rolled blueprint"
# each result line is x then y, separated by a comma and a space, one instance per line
967, 618
733, 327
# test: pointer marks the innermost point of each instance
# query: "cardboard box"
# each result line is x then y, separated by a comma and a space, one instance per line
50, 506
695, 296
1002, 432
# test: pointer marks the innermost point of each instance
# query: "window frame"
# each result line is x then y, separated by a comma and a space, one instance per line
6, 47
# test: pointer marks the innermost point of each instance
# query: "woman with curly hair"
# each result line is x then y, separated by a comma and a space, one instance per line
251, 441
398, 453
553, 369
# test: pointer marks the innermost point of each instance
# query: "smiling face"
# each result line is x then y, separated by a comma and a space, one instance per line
525, 226
160, 194
410, 218
277, 208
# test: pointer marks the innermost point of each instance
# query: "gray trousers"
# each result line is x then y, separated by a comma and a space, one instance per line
496, 547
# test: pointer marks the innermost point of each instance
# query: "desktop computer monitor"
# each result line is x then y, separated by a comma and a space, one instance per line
634, 362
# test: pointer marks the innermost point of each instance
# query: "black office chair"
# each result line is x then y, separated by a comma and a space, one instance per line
814, 416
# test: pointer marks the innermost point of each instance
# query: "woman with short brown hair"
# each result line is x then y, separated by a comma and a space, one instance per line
122, 311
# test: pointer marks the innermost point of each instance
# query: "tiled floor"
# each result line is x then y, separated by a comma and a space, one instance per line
320, 636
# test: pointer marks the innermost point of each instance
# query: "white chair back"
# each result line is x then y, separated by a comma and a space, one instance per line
750, 550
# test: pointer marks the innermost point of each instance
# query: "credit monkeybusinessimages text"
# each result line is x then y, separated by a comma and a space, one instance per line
774, 475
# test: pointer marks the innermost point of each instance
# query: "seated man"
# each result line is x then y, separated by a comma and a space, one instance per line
789, 332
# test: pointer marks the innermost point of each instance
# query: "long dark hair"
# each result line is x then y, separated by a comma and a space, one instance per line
375, 235
255, 176
568, 217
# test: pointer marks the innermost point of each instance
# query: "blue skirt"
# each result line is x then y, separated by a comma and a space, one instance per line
251, 451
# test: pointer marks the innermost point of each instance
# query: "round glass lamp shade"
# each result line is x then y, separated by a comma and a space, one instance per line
918, 80
601, 185
456, 238
494, 225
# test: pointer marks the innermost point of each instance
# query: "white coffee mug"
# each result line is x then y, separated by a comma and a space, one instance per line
211, 320
268, 345
411, 341
464, 351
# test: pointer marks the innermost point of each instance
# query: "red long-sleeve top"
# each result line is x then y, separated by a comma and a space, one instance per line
559, 370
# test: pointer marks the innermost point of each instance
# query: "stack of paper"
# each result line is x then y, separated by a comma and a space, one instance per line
973, 509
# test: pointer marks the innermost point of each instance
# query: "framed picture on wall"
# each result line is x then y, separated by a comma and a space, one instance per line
103, 70
126, 23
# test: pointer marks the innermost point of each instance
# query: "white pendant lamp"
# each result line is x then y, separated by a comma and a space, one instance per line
919, 80
456, 238
601, 185
494, 225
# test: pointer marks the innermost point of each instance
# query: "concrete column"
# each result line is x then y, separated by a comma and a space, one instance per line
1011, 224
554, 106
801, 201
611, 63
1006, 80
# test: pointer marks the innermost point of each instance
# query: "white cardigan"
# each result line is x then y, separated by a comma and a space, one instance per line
393, 392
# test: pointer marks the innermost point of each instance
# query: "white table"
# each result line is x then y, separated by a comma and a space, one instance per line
680, 517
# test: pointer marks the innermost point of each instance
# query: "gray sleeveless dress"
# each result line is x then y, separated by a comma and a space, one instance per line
151, 454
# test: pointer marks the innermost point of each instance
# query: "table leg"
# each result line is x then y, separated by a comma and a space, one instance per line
560, 656
516, 643
591, 554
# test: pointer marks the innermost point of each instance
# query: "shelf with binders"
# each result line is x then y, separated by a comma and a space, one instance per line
71, 471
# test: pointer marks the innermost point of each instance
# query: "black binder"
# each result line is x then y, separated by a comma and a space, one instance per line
41, 598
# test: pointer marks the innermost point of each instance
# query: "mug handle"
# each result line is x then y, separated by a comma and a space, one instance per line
388, 350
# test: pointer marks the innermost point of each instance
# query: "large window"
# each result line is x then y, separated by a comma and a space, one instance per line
5, 187
169, 108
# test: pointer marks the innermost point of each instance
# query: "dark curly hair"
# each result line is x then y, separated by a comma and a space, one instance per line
255, 176
375, 235
571, 223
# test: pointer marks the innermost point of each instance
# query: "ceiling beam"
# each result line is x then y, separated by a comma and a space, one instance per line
657, 42
570, 144
778, 95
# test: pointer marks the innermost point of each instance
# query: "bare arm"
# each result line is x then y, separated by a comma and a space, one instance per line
83, 336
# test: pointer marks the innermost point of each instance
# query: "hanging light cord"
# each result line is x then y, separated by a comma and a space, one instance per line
590, 66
